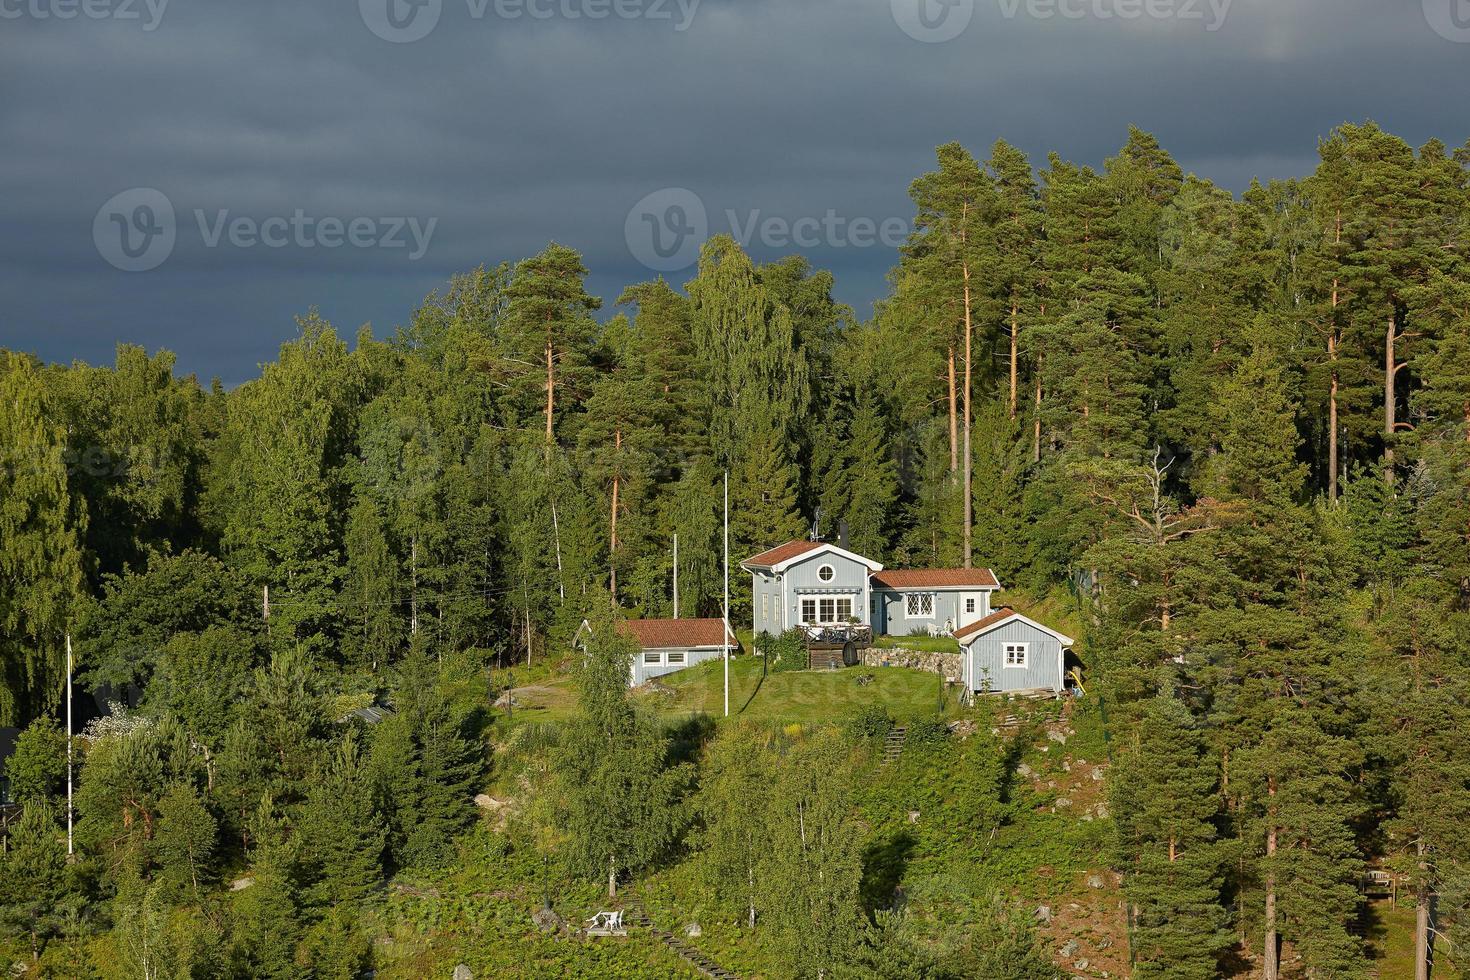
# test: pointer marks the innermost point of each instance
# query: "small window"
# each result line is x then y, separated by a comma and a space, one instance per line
919, 605
872, 604
826, 573
653, 658
969, 604
676, 658
808, 610
1016, 654
765, 607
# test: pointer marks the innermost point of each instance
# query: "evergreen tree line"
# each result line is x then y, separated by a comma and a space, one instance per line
1237, 427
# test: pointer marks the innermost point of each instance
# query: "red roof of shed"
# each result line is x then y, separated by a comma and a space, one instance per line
980, 625
658, 634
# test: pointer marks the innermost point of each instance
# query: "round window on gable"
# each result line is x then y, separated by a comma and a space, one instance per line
826, 573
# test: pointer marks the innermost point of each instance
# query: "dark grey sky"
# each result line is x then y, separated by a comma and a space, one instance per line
512, 122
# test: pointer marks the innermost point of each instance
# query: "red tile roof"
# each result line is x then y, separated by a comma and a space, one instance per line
936, 578
1001, 614
657, 634
780, 553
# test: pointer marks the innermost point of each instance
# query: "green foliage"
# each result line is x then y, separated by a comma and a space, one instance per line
617, 796
36, 769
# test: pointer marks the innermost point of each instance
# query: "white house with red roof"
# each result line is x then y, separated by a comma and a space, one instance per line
669, 645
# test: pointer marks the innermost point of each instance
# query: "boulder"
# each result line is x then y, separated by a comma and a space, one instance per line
240, 884
1094, 881
693, 931
1057, 737
1043, 914
1025, 771
1082, 964
462, 972
487, 802
1068, 949
546, 920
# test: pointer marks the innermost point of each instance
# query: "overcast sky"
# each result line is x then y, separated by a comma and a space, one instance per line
352, 156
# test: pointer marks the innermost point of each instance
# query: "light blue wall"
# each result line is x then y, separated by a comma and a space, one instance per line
986, 653
643, 672
948, 608
767, 585
849, 578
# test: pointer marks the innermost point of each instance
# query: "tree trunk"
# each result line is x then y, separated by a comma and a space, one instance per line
1015, 356
1272, 970
413, 578
1390, 371
967, 463
550, 382
954, 426
612, 552
1423, 895
1332, 398
1036, 435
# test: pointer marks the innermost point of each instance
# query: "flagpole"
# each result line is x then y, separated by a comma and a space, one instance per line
726, 638
68, 747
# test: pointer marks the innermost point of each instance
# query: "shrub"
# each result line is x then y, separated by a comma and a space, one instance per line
871, 722
790, 652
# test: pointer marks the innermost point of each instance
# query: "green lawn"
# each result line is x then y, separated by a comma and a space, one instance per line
1391, 939
796, 696
928, 644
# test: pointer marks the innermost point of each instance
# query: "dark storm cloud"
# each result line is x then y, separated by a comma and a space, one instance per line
509, 132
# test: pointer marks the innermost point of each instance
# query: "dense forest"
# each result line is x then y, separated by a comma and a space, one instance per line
1234, 429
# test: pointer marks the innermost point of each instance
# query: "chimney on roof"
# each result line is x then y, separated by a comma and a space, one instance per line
842, 534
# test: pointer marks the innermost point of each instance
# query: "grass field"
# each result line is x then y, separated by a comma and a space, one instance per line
1391, 942
796, 696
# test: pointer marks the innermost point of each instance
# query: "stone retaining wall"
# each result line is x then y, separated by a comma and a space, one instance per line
948, 663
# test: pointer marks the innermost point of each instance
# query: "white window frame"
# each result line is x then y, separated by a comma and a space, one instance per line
1023, 650
802, 615
677, 658
918, 599
653, 658
831, 573
765, 607
969, 604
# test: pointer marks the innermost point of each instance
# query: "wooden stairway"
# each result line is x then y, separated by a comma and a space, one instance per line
635, 914
893, 743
